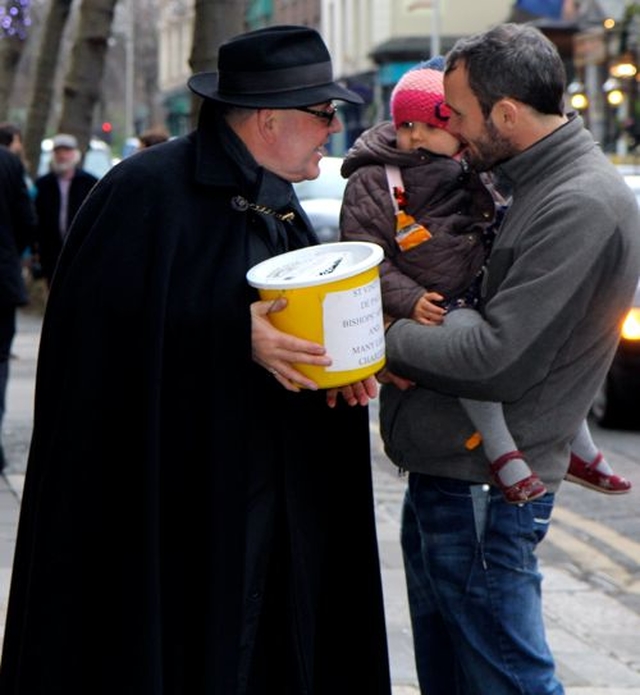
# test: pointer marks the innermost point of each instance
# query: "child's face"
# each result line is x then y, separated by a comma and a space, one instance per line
410, 135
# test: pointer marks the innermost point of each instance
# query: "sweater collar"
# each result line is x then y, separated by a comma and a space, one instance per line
539, 161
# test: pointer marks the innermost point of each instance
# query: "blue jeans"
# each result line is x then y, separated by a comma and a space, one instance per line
475, 590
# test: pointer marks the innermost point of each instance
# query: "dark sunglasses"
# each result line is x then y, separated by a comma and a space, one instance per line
327, 115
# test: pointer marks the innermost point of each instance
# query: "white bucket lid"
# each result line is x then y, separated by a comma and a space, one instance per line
315, 265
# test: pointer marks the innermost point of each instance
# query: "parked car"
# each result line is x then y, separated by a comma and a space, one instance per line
617, 404
98, 158
321, 199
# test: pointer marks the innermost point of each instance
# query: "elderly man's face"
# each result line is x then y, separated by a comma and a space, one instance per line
64, 159
303, 140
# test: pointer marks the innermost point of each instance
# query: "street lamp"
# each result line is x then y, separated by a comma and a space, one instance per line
621, 90
577, 96
625, 68
615, 95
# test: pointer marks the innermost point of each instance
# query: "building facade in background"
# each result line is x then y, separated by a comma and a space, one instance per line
175, 29
373, 42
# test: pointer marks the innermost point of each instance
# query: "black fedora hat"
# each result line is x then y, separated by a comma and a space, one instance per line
274, 67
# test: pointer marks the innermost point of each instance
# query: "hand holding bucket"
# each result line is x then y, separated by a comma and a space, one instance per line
333, 298
279, 352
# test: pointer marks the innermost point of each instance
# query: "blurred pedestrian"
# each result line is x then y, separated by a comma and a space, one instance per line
561, 275
153, 136
59, 195
11, 138
196, 519
17, 226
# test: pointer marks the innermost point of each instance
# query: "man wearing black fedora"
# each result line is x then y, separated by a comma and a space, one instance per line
196, 519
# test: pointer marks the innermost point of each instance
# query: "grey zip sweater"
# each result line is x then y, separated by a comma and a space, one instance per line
561, 275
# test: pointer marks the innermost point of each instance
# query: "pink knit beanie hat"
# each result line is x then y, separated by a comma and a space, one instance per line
419, 95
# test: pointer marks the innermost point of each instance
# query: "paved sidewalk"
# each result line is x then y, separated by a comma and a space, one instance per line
595, 639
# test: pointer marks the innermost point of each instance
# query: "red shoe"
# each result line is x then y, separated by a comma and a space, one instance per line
588, 475
525, 490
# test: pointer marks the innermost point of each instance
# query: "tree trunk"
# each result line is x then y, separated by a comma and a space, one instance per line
44, 80
215, 22
12, 38
82, 86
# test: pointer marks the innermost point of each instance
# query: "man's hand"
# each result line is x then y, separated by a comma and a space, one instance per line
277, 351
384, 376
359, 393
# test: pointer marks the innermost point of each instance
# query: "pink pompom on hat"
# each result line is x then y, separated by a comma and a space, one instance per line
419, 95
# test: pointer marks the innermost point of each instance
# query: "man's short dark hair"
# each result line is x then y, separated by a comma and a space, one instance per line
8, 131
514, 61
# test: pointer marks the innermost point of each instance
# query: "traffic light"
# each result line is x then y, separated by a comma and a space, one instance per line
107, 131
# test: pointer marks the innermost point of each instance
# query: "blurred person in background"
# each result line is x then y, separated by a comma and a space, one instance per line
17, 226
59, 195
153, 136
11, 138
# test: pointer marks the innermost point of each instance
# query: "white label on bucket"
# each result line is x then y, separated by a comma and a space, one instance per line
353, 327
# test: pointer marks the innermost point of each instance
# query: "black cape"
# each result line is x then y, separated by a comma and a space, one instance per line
151, 424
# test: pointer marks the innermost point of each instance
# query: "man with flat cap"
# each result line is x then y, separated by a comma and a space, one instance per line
59, 194
197, 515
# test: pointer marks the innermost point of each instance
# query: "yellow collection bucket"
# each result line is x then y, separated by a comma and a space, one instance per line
333, 298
